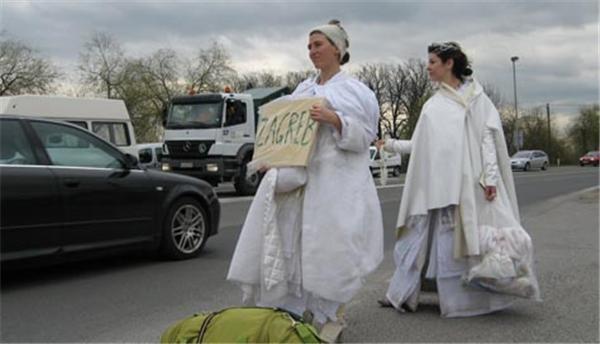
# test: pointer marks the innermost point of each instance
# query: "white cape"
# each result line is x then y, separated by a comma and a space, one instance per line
446, 162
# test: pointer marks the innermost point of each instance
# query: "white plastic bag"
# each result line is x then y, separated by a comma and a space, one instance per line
506, 262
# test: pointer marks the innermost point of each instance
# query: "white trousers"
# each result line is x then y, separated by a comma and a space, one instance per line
431, 236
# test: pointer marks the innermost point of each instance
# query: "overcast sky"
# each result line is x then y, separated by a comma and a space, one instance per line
556, 41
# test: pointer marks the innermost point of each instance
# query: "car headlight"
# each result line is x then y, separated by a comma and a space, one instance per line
212, 167
166, 167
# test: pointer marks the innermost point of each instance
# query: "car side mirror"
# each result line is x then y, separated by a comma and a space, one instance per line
131, 161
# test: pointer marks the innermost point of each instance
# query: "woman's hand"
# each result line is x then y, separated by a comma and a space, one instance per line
490, 193
322, 114
264, 169
379, 144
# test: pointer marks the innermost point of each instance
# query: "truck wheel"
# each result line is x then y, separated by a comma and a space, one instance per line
246, 186
396, 171
185, 229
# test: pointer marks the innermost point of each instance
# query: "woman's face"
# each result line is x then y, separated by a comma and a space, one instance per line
437, 69
321, 52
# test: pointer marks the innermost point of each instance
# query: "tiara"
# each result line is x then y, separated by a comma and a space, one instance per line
443, 47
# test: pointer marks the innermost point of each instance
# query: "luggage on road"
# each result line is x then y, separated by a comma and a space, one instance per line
242, 325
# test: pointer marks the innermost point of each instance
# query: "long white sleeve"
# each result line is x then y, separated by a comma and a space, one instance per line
398, 146
490, 162
290, 178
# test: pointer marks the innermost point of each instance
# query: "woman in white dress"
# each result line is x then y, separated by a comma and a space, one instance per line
312, 234
459, 174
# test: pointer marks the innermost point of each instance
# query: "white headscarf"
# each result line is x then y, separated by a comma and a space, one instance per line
336, 34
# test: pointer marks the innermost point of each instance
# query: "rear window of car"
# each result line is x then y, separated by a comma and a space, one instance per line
522, 155
114, 132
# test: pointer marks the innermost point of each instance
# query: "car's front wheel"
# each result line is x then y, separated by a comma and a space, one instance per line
185, 229
396, 172
545, 166
526, 167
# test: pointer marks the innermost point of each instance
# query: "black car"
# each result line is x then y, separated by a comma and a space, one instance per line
65, 192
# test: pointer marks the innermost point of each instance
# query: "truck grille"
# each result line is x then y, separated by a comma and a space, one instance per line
188, 148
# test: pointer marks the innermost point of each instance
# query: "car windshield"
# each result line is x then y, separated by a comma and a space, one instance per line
202, 115
593, 153
521, 155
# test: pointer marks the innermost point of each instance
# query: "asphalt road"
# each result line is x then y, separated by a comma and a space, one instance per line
132, 298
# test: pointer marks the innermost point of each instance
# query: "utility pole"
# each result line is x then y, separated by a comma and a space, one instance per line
516, 133
549, 146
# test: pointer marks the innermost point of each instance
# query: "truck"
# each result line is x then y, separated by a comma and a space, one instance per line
211, 135
107, 118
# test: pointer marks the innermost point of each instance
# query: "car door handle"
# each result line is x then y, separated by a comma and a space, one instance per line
72, 183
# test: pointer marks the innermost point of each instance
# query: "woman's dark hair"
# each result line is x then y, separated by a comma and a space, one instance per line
451, 50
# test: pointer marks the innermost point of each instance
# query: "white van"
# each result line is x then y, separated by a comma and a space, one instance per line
392, 162
150, 154
107, 118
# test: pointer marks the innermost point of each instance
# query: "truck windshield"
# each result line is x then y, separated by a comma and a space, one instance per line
202, 115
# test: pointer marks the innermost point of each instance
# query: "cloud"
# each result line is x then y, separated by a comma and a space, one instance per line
556, 41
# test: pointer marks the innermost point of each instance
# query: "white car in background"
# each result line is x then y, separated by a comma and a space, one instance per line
528, 159
392, 162
150, 154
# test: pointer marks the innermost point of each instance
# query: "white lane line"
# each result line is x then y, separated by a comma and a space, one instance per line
235, 199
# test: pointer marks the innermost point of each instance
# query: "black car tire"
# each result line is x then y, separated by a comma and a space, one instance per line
581, 164
183, 240
396, 172
246, 186
526, 167
545, 166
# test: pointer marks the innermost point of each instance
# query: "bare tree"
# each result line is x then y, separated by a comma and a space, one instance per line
160, 74
22, 71
102, 63
494, 94
246, 81
210, 70
509, 125
418, 90
375, 77
397, 84
293, 79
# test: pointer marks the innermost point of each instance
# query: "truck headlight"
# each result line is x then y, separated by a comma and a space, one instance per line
212, 167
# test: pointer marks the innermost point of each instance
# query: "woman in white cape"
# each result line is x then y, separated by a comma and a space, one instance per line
459, 180
312, 234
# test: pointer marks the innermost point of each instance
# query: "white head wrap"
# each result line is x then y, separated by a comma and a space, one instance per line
336, 34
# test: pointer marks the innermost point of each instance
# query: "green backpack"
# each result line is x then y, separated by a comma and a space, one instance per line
242, 325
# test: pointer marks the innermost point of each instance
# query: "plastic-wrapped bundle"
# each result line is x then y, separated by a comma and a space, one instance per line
506, 261
506, 264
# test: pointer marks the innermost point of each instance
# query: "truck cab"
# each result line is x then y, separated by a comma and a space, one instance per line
211, 136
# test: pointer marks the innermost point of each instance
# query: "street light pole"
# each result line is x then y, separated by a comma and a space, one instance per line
516, 133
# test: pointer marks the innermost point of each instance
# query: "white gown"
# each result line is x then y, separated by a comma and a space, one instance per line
332, 226
429, 214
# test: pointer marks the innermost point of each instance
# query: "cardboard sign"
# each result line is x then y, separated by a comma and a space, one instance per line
286, 133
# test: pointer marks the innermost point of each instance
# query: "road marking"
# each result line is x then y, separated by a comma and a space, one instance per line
235, 199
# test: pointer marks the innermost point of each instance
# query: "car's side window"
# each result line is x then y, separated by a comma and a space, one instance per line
112, 131
158, 152
15, 148
68, 146
145, 155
